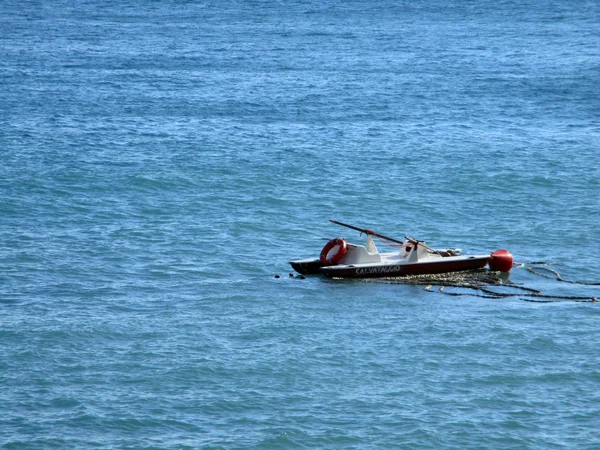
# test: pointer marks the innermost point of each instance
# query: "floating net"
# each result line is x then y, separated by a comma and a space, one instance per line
488, 284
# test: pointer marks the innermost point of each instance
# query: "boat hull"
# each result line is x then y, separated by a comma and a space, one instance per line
443, 265
307, 266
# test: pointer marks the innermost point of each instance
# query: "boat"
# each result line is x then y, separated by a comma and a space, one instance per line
341, 259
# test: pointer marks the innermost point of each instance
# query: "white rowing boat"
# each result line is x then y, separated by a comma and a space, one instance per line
341, 259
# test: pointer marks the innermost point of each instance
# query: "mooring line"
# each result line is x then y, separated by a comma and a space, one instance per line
488, 293
496, 295
558, 276
480, 284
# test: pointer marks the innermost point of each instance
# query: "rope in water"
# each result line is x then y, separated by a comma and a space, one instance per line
481, 281
557, 276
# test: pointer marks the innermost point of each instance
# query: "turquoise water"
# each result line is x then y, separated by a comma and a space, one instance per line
161, 162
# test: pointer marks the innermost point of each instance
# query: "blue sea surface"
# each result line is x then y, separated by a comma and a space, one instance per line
162, 161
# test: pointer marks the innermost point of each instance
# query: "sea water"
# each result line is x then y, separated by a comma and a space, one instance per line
162, 161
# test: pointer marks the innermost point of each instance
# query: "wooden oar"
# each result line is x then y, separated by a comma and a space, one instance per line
371, 232
408, 238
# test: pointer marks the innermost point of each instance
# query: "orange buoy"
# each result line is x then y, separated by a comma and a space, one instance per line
501, 261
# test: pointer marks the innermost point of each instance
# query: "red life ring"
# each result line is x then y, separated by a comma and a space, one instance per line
332, 260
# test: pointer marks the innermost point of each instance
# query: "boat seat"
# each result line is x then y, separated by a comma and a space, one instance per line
358, 254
